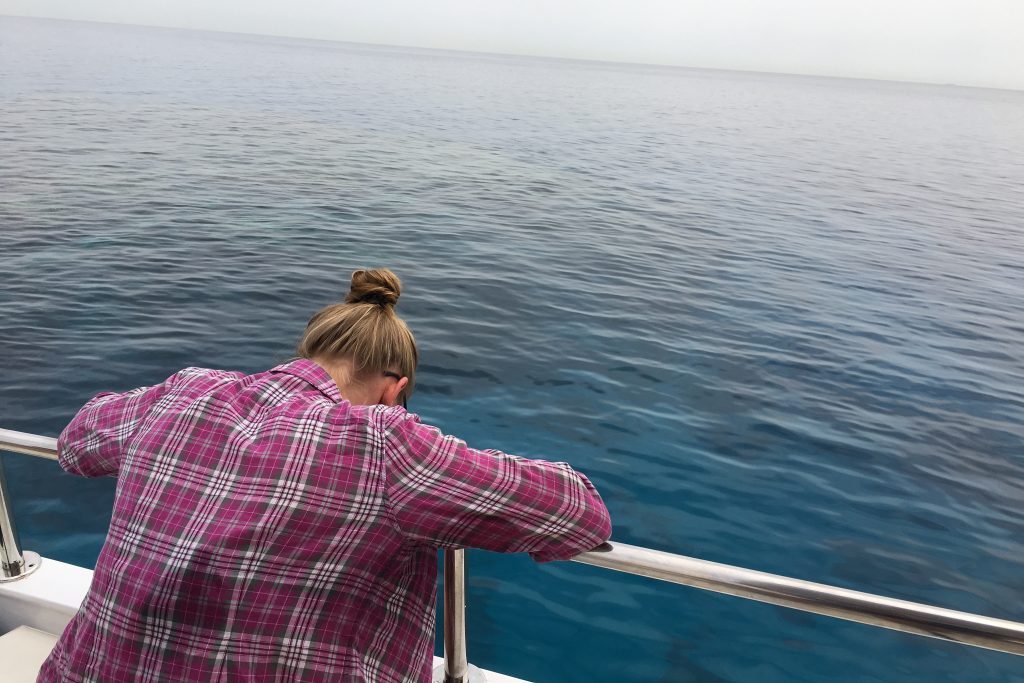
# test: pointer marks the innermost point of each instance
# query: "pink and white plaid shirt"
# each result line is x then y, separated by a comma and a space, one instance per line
265, 529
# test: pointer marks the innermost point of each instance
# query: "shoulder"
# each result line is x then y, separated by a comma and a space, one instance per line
388, 419
207, 377
193, 371
399, 430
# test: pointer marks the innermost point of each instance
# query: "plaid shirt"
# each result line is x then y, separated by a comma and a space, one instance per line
266, 529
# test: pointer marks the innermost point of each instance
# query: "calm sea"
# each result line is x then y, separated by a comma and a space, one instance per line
779, 321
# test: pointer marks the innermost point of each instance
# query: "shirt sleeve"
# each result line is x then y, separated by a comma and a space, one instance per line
92, 443
444, 493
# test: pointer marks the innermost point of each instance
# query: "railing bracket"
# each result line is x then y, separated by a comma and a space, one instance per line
30, 562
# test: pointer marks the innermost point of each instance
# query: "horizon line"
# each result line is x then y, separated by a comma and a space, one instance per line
589, 60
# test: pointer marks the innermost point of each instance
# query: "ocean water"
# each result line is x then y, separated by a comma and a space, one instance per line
778, 321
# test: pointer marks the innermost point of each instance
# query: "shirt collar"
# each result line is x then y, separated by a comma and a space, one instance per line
312, 372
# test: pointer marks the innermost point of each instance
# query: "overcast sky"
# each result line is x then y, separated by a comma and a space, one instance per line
967, 42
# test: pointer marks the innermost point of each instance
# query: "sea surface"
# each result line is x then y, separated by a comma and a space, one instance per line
777, 320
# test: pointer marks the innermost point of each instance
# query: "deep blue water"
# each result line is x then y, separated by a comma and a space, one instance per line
779, 321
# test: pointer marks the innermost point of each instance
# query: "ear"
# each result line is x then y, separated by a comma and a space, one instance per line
393, 391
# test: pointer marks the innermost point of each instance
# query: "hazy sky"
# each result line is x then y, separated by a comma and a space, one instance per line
968, 42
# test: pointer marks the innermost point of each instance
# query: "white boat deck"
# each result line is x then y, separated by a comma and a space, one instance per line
34, 610
23, 651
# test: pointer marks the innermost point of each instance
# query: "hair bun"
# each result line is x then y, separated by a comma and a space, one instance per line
378, 286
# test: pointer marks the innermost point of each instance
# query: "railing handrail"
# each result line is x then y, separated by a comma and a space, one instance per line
819, 598
901, 615
28, 444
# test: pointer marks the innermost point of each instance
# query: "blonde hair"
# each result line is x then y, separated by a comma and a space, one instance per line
364, 329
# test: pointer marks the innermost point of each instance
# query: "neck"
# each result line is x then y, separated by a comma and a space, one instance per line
343, 375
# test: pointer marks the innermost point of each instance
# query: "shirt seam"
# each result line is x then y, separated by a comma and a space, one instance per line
385, 435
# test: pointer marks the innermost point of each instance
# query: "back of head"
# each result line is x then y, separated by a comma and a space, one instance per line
364, 329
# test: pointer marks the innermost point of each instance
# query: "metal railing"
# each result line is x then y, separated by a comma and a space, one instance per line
842, 603
15, 564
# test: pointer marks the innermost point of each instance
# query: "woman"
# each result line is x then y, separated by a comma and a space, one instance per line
284, 526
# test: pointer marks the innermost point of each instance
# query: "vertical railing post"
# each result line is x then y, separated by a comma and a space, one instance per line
456, 664
457, 668
14, 564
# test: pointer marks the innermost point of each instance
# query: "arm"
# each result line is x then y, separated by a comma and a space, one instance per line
444, 493
92, 443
